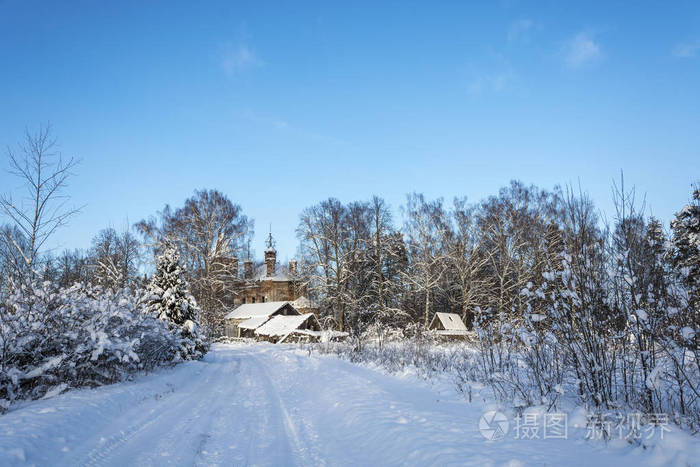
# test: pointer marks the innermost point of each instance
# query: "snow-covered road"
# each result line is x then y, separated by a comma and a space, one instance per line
272, 405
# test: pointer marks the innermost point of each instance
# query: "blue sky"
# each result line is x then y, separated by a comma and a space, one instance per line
281, 105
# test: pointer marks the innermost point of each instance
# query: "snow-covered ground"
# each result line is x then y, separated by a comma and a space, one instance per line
276, 405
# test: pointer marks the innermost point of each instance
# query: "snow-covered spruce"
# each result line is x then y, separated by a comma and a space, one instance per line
168, 298
686, 249
82, 336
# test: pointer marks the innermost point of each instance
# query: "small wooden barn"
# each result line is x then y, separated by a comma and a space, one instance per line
448, 325
300, 328
244, 320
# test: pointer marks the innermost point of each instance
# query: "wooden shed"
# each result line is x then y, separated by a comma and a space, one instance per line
244, 320
448, 325
301, 328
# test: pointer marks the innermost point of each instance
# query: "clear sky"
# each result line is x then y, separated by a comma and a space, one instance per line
281, 105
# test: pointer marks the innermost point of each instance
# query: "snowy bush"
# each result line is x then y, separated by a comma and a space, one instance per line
519, 359
82, 336
420, 353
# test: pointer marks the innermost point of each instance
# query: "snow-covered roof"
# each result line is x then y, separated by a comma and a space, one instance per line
450, 322
283, 325
303, 302
250, 310
452, 332
253, 323
328, 333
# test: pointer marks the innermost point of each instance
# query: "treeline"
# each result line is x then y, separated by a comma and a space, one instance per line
468, 258
112, 262
206, 231
555, 295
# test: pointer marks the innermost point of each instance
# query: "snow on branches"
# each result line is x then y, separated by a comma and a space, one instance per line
51, 340
169, 299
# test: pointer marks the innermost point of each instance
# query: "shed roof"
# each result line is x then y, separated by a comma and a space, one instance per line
283, 325
452, 332
254, 322
250, 310
449, 321
328, 333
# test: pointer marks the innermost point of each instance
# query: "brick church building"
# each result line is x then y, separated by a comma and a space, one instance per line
267, 282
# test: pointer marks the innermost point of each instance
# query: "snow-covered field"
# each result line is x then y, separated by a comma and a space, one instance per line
275, 405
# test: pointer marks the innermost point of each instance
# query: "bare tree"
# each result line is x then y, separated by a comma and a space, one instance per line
353, 257
115, 257
323, 234
72, 267
465, 258
12, 265
425, 224
45, 175
208, 231
512, 231
381, 223
387, 256
580, 308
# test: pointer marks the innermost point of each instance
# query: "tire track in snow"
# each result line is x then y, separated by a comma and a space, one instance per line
185, 439
105, 450
234, 398
301, 447
153, 422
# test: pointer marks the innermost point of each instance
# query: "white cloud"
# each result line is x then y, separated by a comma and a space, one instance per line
235, 59
686, 49
581, 50
519, 30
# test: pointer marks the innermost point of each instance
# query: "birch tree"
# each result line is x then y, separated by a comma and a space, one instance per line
207, 231
44, 208
13, 250
425, 223
388, 261
512, 230
114, 258
465, 258
323, 234
72, 267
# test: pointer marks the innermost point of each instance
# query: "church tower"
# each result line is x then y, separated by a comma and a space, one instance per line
270, 256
